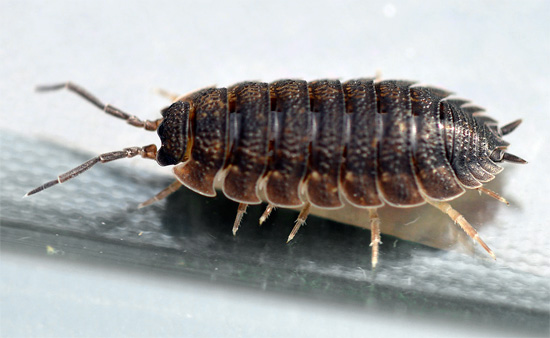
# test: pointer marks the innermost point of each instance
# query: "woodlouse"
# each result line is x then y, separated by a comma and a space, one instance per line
294, 144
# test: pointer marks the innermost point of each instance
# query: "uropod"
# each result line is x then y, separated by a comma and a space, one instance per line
297, 144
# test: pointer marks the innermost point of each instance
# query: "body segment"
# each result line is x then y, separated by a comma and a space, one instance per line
247, 159
290, 142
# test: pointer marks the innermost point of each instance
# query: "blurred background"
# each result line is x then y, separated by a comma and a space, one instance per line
81, 260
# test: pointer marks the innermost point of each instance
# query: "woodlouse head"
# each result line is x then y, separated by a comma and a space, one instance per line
496, 144
173, 133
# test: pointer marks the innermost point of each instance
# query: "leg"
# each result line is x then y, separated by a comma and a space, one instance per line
375, 235
164, 93
266, 213
299, 221
183, 97
458, 218
149, 151
240, 212
131, 119
162, 195
492, 194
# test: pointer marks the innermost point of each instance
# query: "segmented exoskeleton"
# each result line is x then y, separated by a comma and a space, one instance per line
297, 144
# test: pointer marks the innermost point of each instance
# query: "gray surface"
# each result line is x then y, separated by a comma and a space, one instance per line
494, 55
93, 224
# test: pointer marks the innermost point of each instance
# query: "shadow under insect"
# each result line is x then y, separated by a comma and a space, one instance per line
204, 225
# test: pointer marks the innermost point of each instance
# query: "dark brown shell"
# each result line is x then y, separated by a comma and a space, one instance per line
362, 142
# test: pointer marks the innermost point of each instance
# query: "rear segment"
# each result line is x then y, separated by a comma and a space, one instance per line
434, 173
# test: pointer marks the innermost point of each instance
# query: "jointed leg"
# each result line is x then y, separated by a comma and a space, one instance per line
149, 152
131, 119
299, 221
493, 195
458, 218
375, 235
240, 212
164, 93
266, 213
162, 195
